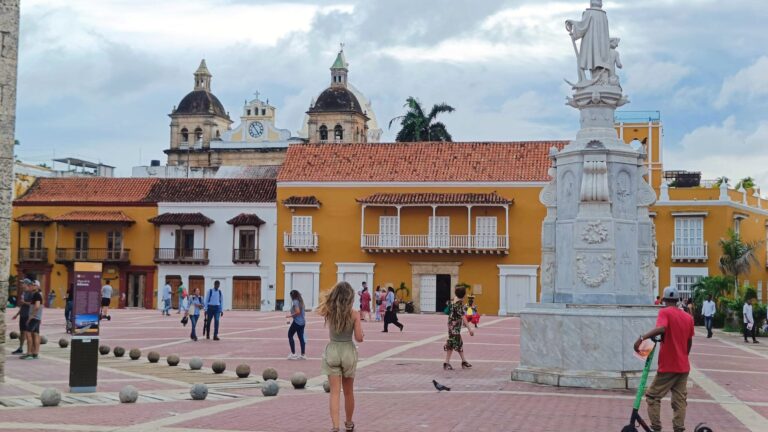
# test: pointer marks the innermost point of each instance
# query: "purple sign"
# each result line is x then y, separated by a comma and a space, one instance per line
86, 308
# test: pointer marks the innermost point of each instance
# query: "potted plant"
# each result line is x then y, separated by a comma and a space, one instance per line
403, 295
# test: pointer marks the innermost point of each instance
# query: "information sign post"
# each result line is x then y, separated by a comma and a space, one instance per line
86, 313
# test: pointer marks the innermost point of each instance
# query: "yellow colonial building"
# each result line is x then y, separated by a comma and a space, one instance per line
104, 220
427, 216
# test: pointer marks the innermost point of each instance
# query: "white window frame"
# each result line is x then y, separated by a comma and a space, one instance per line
688, 277
689, 235
389, 231
301, 231
484, 239
439, 231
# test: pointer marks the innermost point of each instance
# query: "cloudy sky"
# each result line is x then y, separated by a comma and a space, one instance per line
97, 79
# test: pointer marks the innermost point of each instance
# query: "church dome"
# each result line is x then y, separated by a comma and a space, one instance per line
336, 99
201, 102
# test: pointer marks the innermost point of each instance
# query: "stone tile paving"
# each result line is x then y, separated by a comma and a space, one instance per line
393, 385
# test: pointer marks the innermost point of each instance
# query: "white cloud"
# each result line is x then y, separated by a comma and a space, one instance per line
750, 83
727, 149
650, 76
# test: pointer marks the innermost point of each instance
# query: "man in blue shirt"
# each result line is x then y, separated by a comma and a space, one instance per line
214, 300
167, 299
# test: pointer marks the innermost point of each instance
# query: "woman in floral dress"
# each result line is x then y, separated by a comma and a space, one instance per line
456, 319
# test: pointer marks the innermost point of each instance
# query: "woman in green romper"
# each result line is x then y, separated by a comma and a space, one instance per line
340, 356
456, 319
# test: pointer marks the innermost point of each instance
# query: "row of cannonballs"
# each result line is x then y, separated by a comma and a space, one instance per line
129, 394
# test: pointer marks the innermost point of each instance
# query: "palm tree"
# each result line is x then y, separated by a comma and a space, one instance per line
417, 126
738, 257
720, 180
746, 183
716, 286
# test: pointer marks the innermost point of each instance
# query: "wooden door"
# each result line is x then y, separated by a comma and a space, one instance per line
174, 281
197, 282
246, 293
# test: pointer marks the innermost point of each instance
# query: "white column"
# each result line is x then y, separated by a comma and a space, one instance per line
506, 229
650, 151
470, 243
362, 226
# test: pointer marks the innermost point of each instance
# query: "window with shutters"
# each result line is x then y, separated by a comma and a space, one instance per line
114, 244
389, 231
35, 240
439, 231
301, 231
485, 232
81, 245
689, 237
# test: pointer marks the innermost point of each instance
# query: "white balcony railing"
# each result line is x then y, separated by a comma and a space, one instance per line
689, 252
432, 242
300, 241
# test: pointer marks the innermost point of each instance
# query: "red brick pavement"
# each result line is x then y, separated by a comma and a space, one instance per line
394, 393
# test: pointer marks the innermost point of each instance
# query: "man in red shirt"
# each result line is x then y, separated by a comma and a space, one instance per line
676, 327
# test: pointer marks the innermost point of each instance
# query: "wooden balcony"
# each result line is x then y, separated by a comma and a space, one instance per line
689, 252
117, 256
300, 242
240, 256
33, 255
181, 256
444, 244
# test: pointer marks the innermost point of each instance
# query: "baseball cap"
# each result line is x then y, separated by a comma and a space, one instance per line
671, 293
26, 281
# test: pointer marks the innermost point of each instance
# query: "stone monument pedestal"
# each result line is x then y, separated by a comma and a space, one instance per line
577, 345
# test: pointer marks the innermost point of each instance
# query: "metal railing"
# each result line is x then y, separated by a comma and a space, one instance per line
33, 255
93, 255
245, 255
466, 242
180, 256
300, 241
689, 251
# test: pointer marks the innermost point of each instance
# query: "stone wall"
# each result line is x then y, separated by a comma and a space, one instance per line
9, 38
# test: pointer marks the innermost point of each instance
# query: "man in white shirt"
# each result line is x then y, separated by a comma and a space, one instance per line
167, 299
708, 310
106, 299
750, 328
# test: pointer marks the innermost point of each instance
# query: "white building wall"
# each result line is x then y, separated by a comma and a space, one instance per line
219, 241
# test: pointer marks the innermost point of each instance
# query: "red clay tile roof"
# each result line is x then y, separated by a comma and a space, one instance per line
31, 218
419, 162
94, 217
78, 190
301, 201
181, 219
434, 198
213, 190
246, 219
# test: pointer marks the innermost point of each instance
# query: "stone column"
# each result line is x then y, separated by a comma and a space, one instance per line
9, 40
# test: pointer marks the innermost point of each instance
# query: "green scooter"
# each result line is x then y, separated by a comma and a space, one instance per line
635, 419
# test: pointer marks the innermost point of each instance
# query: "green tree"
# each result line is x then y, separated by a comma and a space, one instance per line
746, 182
737, 257
716, 286
720, 180
415, 125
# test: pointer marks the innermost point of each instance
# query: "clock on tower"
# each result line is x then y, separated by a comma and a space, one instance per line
256, 129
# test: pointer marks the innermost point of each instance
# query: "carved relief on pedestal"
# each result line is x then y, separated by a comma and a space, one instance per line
624, 204
594, 182
594, 270
647, 273
594, 232
646, 196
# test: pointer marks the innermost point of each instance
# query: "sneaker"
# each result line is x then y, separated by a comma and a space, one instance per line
26, 357
18, 351
293, 357
755, 341
34, 356
303, 357
215, 338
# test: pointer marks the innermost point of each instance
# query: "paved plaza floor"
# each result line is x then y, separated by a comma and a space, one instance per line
394, 392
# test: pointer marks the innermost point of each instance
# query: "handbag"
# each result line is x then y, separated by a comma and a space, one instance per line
184, 320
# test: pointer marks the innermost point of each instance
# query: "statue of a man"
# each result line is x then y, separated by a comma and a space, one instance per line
595, 40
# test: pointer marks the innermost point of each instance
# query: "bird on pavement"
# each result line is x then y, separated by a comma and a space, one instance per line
440, 387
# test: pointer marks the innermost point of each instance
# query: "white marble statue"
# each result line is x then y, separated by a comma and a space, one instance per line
594, 55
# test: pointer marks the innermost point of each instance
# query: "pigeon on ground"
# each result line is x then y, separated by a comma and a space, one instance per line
440, 387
